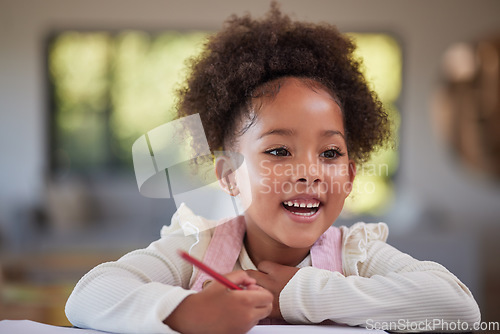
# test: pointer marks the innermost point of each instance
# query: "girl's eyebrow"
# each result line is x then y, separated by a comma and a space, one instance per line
280, 132
331, 133
290, 132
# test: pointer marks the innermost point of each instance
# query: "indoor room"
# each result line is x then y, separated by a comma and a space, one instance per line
83, 82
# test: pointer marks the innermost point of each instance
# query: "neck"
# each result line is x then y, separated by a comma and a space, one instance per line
269, 250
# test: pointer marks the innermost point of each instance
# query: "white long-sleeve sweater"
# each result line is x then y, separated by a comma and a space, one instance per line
379, 285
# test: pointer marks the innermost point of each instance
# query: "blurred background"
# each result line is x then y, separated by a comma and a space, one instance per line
80, 81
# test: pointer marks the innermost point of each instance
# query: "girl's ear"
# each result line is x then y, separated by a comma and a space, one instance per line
224, 169
352, 175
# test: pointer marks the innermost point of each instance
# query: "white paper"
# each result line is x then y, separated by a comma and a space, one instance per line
310, 329
28, 326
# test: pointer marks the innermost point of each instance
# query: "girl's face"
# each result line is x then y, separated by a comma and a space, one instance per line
297, 173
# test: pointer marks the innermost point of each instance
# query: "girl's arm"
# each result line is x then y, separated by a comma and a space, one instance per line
134, 294
388, 287
146, 291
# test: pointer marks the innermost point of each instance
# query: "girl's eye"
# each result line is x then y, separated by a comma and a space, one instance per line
331, 154
279, 152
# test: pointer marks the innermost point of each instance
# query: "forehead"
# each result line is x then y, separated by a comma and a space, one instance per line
299, 105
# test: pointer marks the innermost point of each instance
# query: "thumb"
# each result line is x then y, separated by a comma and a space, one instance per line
240, 277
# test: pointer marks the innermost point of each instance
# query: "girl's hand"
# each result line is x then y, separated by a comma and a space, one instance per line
216, 309
273, 277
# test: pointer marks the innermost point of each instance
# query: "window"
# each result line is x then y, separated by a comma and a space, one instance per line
373, 187
108, 89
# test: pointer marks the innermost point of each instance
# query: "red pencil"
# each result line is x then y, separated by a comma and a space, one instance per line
218, 277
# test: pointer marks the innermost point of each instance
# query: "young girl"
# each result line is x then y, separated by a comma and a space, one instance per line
290, 99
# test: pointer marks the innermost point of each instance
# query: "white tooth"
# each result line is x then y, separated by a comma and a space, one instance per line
290, 203
309, 205
315, 205
302, 205
296, 205
303, 213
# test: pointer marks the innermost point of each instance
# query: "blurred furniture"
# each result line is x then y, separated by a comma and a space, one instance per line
467, 109
36, 286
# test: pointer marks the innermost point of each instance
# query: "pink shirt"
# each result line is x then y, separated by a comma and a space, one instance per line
227, 241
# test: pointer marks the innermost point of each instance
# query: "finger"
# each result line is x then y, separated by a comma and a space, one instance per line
262, 298
264, 311
262, 279
253, 287
256, 297
256, 287
267, 266
240, 277
255, 274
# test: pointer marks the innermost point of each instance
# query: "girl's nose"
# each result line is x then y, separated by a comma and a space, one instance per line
308, 172
308, 181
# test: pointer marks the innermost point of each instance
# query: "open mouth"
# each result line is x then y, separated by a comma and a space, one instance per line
300, 208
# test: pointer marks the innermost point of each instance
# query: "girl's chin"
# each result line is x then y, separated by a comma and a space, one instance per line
299, 242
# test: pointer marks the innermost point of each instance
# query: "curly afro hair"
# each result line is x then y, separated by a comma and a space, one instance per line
248, 54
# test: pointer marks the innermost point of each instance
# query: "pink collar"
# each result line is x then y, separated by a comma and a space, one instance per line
227, 240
